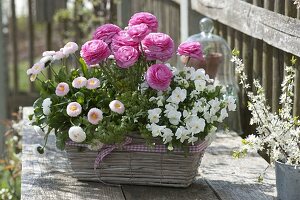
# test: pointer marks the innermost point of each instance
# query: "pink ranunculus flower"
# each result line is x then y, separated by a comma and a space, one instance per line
123, 39
92, 83
62, 89
106, 32
94, 51
146, 18
126, 56
95, 115
79, 82
117, 106
190, 49
159, 77
158, 46
74, 109
138, 32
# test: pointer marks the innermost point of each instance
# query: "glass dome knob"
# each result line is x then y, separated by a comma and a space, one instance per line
206, 25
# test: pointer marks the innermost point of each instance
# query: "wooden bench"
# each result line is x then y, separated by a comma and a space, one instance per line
220, 177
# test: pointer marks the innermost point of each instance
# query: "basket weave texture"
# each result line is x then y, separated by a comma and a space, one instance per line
139, 168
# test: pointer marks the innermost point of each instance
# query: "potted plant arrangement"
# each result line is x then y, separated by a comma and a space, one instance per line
124, 114
276, 133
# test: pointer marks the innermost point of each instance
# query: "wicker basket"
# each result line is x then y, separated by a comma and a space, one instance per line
139, 168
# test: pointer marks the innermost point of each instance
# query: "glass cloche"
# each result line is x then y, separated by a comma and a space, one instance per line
217, 65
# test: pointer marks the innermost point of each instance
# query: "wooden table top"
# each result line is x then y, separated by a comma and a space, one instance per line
221, 177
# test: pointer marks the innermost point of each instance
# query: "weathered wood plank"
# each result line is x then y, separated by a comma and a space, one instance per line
234, 179
275, 29
48, 176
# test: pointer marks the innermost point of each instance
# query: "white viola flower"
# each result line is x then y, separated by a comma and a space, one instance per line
194, 94
117, 106
200, 85
37, 68
77, 134
79, 82
210, 88
195, 124
154, 115
174, 117
182, 134
231, 103
46, 106
70, 48
215, 106
74, 109
169, 107
223, 115
178, 95
167, 135
199, 74
48, 53
95, 115
155, 129
46, 59
188, 71
58, 55
92, 83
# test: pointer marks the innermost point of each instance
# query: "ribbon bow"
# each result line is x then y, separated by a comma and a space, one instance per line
107, 149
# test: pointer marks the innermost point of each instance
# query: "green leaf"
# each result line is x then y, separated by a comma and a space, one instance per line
84, 67
61, 139
79, 97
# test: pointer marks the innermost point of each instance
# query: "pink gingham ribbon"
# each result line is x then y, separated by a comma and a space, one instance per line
126, 145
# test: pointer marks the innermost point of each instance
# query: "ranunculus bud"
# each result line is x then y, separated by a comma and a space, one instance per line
146, 18
159, 77
106, 32
126, 56
190, 49
158, 46
123, 39
94, 51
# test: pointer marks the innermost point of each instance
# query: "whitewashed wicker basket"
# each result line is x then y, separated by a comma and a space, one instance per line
133, 167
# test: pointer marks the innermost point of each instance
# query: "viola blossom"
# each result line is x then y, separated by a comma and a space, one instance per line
123, 39
70, 48
46, 106
106, 32
190, 49
159, 77
144, 18
94, 51
95, 115
92, 83
154, 115
62, 89
158, 46
117, 106
126, 56
74, 109
178, 95
138, 32
77, 134
79, 82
